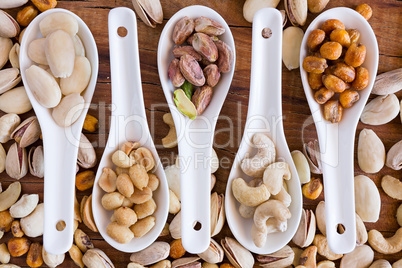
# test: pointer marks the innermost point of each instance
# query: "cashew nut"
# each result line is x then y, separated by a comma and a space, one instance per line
270, 209
255, 166
273, 225
170, 141
399, 215
24, 206
392, 187
283, 196
10, 195
274, 175
247, 195
383, 245
308, 257
246, 211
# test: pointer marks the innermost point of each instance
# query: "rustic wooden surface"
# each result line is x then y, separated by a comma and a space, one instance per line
386, 22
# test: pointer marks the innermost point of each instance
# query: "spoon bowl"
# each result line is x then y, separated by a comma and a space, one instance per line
194, 137
60, 144
128, 123
337, 140
264, 116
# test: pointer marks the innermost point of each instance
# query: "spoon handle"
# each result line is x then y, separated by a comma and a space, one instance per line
125, 79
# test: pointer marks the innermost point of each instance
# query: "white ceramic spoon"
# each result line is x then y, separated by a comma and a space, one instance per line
128, 123
60, 144
337, 140
194, 136
264, 116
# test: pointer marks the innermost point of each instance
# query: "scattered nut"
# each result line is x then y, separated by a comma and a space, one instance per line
312, 189
176, 249
392, 187
16, 229
399, 215
381, 110
34, 257
323, 249
143, 226
302, 166
174, 203
365, 10
90, 123
18, 246
4, 254
32, 225
394, 156
367, 199
76, 256
82, 240
383, 245
85, 180
119, 233
370, 151
308, 257
5, 221
292, 39
26, 15
361, 256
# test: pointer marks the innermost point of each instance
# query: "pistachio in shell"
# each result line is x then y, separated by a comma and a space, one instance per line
86, 153
217, 213
297, 11
156, 252
27, 132
16, 162
96, 258
214, 253
5, 47
8, 123
311, 150
9, 26
36, 161
6, 4
186, 262
238, 256
3, 156
149, 11
9, 78
281, 258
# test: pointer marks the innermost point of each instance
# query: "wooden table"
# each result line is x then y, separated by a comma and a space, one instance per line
386, 22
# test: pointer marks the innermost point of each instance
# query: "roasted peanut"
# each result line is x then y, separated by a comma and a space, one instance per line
34, 257
315, 39
107, 180
348, 98
5, 221
124, 216
343, 71
85, 180
120, 233
125, 185
111, 201
333, 111
313, 64
314, 80
329, 25
26, 15
355, 55
341, 36
145, 209
90, 123
212, 74
334, 83
182, 30
18, 246
312, 189
191, 70
354, 35
331, 50
174, 73
176, 249
141, 196
365, 10
144, 157
183, 50
44, 5
201, 98
153, 182
129, 147
362, 78
143, 226
16, 229
139, 176
323, 95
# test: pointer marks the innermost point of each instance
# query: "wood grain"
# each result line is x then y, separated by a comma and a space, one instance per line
386, 22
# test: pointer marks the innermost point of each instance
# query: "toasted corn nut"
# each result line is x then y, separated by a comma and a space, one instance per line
329, 25
44, 5
145, 209
140, 197
26, 15
354, 35
182, 30
139, 176
153, 182
125, 185
4, 254
334, 83
362, 78
34, 257
85, 180
90, 123
226, 265
176, 249
333, 111
323, 95
18, 246
315, 80
365, 10
107, 180
143, 226
312, 189
112, 201
5, 221
82, 240
313, 64
16, 229
348, 98
341, 36
124, 216
315, 39
345, 72
308, 257
144, 157
331, 50
76, 256
355, 55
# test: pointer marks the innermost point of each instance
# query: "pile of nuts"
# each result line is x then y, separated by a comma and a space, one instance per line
62, 70
334, 67
129, 192
265, 200
197, 64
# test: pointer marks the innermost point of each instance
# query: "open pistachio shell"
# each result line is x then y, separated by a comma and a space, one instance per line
16, 162
238, 256
297, 11
8, 123
86, 153
96, 258
35, 161
9, 26
9, 78
27, 132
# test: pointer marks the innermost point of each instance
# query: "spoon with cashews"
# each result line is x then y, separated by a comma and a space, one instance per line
272, 205
128, 124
